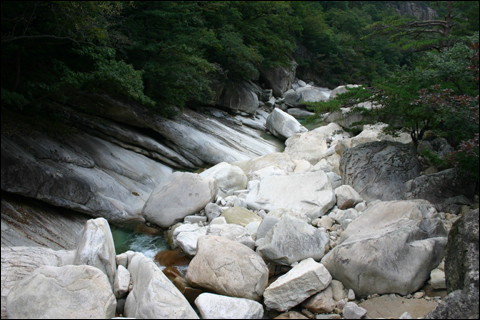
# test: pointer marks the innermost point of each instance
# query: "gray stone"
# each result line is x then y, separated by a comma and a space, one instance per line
300, 113
212, 211
227, 267
310, 146
383, 233
347, 197
283, 125
351, 295
280, 79
379, 170
229, 178
303, 240
214, 306
186, 236
61, 293
96, 248
461, 270
233, 232
302, 281
239, 97
195, 219
179, 195
153, 296
122, 282
352, 311
321, 302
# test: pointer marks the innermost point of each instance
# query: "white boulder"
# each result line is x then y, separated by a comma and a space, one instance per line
283, 125
215, 306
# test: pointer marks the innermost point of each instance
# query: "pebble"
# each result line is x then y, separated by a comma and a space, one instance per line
352, 311
351, 295
406, 315
418, 295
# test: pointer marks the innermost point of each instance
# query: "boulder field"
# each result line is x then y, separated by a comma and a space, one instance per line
324, 229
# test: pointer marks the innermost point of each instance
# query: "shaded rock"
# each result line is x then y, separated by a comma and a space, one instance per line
367, 257
239, 97
241, 216
228, 268
321, 302
308, 193
153, 296
170, 258
214, 306
30, 222
304, 241
96, 248
178, 196
279, 79
302, 281
461, 270
437, 188
212, 211
312, 94
283, 125
300, 113
61, 293
379, 170
347, 197
229, 178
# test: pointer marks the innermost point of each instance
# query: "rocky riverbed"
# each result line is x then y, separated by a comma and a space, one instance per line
332, 226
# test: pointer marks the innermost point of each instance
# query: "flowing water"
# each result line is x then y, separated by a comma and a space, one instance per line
127, 239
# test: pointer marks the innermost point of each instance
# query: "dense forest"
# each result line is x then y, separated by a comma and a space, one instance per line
165, 55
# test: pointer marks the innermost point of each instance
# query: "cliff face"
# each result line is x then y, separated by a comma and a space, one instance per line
418, 9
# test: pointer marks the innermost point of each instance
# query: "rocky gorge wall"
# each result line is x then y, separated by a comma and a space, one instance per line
284, 219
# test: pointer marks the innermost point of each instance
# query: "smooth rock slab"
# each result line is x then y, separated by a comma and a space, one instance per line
302, 281
390, 248
153, 295
291, 240
214, 306
227, 267
240, 216
77, 292
308, 193
96, 248
178, 196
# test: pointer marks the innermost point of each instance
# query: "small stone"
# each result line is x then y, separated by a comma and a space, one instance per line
418, 295
219, 220
341, 304
352, 311
351, 295
406, 315
328, 316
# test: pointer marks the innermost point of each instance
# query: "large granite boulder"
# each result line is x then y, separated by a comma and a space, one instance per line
302, 281
461, 270
83, 173
378, 170
215, 306
390, 248
280, 79
180, 195
96, 248
239, 97
283, 125
304, 241
310, 146
438, 187
77, 292
19, 262
227, 267
308, 193
154, 296
229, 178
